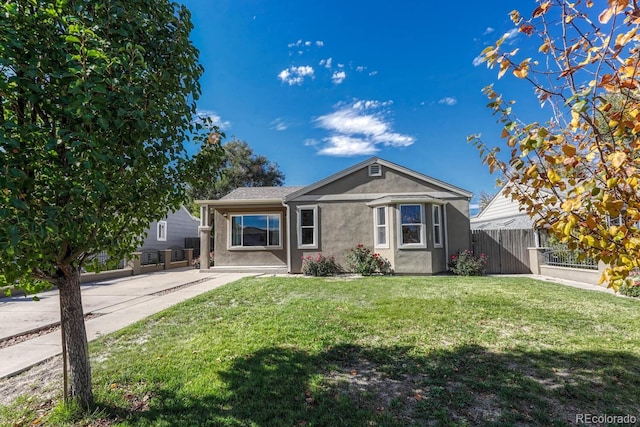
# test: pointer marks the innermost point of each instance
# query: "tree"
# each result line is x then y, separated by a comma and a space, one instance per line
578, 172
483, 200
240, 167
96, 100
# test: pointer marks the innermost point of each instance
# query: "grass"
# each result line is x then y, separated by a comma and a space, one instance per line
382, 351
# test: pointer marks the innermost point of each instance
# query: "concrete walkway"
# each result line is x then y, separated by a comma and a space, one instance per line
113, 305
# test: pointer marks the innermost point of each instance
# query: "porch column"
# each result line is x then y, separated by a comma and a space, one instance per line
204, 231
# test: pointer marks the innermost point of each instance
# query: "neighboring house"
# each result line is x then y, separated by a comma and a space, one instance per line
170, 231
502, 213
415, 221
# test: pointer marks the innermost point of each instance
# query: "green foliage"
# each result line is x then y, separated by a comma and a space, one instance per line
97, 101
467, 264
361, 260
239, 167
320, 266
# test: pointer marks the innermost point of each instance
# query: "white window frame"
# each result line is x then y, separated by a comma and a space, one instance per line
423, 240
241, 247
161, 231
437, 226
377, 226
299, 210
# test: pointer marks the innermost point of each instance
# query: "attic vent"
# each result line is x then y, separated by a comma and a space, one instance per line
375, 170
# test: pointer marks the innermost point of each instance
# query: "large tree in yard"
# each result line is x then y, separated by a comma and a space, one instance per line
239, 167
96, 100
578, 172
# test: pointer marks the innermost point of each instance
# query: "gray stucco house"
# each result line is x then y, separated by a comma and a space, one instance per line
415, 221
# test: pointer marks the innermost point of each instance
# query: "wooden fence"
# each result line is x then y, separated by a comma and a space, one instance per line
506, 249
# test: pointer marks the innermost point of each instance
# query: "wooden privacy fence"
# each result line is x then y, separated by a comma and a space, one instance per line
506, 249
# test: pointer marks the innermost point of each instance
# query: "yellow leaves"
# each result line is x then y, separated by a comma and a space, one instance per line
617, 159
532, 171
624, 38
615, 7
571, 205
553, 176
542, 9
522, 70
575, 120
545, 47
504, 66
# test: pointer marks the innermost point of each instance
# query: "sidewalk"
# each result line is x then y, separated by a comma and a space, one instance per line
114, 304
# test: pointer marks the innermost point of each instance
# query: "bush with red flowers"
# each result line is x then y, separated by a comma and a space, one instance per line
468, 264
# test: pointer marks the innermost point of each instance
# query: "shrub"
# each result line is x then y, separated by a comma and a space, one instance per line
320, 266
467, 264
631, 287
362, 260
196, 262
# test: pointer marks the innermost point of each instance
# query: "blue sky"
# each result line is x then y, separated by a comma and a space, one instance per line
318, 86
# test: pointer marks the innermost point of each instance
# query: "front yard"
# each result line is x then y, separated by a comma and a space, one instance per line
376, 351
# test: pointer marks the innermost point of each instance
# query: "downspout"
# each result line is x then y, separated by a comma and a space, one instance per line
446, 237
288, 225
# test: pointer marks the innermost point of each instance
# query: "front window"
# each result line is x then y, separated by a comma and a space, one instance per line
381, 229
308, 227
411, 225
255, 230
437, 226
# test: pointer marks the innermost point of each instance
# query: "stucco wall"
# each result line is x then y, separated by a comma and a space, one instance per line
225, 257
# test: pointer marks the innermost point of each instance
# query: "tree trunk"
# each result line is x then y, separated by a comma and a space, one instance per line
72, 320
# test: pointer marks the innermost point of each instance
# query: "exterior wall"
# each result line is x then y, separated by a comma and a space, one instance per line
226, 257
458, 226
344, 225
180, 225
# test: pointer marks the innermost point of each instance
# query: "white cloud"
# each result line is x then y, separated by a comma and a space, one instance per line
448, 100
511, 34
295, 75
489, 30
360, 68
359, 128
326, 63
338, 77
213, 117
345, 146
278, 124
373, 73
478, 60
319, 43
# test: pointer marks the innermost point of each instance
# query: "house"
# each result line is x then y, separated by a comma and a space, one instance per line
502, 213
171, 231
413, 220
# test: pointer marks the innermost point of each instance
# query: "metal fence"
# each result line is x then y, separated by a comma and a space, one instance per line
102, 261
568, 258
150, 257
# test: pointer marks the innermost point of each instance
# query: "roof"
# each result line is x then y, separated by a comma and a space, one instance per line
390, 165
260, 193
252, 196
514, 222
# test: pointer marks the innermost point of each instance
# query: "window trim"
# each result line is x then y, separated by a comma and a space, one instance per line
299, 210
233, 247
161, 231
423, 241
437, 225
377, 226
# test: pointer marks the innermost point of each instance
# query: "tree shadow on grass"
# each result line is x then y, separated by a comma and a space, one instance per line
352, 385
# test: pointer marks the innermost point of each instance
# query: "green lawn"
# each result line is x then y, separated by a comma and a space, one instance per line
377, 351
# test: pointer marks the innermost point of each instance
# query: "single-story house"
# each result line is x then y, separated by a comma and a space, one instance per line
415, 221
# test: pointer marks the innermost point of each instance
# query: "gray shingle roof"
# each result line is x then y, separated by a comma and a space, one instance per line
514, 222
260, 193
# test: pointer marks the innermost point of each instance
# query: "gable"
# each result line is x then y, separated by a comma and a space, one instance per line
383, 179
